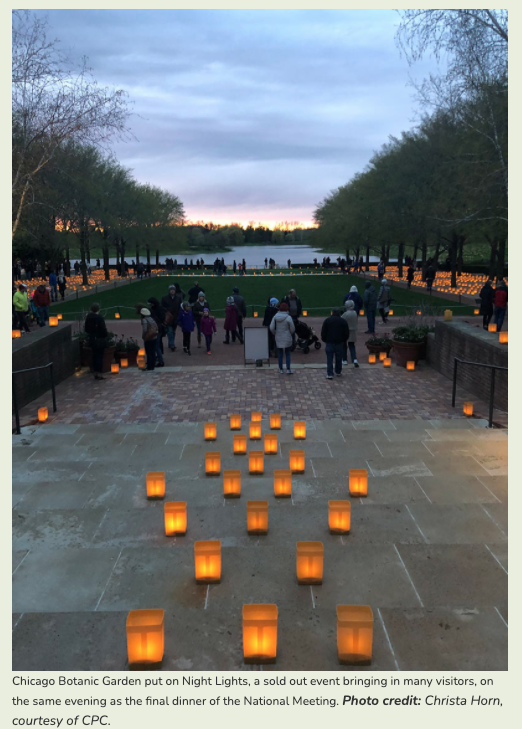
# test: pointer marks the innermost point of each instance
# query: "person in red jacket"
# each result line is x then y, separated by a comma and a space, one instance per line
500, 300
42, 301
231, 317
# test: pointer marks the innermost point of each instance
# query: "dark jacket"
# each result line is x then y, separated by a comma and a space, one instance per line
231, 315
486, 299
240, 303
186, 320
41, 298
197, 309
158, 313
270, 312
172, 304
335, 330
96, 329
430, 273
411, 273
356, 297
286, 300
370, 297
193, 293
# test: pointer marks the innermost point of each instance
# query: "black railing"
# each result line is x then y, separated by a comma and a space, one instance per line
15, 400
493, 369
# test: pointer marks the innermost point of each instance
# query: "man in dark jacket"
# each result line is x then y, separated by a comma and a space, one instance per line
430, 276
172, 304
486, 303
334, 333
194, 292
96, 329
295, 308
241, 309
370, 305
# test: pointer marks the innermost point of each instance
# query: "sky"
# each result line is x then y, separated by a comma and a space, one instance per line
248, 115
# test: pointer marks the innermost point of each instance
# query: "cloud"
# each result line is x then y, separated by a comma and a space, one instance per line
247, 113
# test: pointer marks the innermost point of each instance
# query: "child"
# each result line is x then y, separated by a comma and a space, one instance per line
186, 322
208, 326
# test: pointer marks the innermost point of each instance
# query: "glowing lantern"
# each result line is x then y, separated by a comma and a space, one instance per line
256, 462
492, 327
210, 431
361, 313
141, 352
213, 463
305, 313
117, 315
300, 430
255, 314
419, 313
270, 444
282, 483
255, 431
53, 321
390, 313
358, 481
275, 422
145, 637
256, 417
339, 515
16, 333
235, 422
115, 368
297, 461
259, 634
448, 315
231, 484
207, 556
503, 337
354, 634
387, 362
372, 358
124, 363
382, 356
476, 311
175, 518
468, 409
240, 445
59, 317
142, 364
257, 517
410, 365
155, 484
310, 563
43, 414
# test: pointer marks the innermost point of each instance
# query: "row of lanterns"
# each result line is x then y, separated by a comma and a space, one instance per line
145, 628
146, 635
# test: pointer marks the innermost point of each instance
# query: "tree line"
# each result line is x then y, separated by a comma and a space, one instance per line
441, 186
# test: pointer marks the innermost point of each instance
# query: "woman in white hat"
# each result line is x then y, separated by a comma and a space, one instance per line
149, 333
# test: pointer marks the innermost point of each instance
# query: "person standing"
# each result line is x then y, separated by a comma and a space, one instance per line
186, 323
351, 318
241, 309
486, 295
370, 306
231, 316
200, 305
383, 300
234, 267
62, 284
430, 277
149, 333
283, 329
172, 305
289, 263
500, 301
194, 292
21, 307
97, 331
380, 269
42, 301
356, 297
158, 313
295, 308
334, 334
410, 275
53, 284
270, 311
208, 328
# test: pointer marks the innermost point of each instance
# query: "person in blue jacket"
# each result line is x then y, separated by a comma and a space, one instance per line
356, 297
186, 324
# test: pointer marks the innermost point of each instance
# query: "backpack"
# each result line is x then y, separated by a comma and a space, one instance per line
152, 330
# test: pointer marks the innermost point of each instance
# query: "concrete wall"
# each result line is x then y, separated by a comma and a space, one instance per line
48, 344
455, 339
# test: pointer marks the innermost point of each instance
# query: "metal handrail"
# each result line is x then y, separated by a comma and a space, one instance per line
493, 369
15, 401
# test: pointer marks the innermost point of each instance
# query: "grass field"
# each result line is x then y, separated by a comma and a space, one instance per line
319, 294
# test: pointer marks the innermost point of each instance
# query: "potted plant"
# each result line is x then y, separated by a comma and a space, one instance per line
127, 349
408, 343
379, 344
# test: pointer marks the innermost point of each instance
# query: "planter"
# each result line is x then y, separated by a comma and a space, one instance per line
108, 356
407, 352
130, 355
376, 348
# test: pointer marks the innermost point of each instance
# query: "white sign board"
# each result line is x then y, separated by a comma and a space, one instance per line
256, 343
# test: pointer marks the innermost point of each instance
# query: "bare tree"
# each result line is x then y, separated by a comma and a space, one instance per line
54, 101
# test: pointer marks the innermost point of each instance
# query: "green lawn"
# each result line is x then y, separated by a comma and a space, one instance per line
319, 294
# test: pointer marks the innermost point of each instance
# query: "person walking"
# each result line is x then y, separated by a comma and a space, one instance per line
200, 305
270, 311
334, 334
186, 323
383, 300
283, 328
172, 305
430, 277
500, 301
380, 269
53, 284
62, 284
21, 307
231, 316
96, 329
158, 313
410, 274
370, 306
149, 334
42, 301
194, 292
487, 294
356, 297
351, 318
295, 308
208, 328
241, 309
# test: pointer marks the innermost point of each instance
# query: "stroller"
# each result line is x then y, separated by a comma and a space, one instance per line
305, 337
